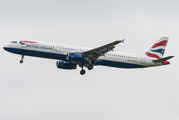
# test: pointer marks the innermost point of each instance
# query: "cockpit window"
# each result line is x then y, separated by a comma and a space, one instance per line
13, 42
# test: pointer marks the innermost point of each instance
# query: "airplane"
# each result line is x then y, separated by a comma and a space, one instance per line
69, 56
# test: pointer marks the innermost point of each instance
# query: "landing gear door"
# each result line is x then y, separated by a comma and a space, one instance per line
58, 48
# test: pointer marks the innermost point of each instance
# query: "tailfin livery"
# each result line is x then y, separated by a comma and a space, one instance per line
158, 49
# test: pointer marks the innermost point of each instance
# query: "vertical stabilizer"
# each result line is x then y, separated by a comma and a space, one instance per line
158, 49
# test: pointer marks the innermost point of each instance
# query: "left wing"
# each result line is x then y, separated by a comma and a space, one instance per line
100, 51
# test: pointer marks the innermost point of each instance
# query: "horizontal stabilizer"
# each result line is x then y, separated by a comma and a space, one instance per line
163, 59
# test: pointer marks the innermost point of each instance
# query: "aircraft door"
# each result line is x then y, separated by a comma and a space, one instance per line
143, 59
24, 45
58, 48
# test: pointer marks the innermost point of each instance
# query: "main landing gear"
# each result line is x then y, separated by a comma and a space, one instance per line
21, 61
82, 72
90, 67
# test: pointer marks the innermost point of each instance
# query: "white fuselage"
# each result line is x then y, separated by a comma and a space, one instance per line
59, 52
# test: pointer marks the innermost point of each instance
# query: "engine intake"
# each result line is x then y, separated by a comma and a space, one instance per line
65, 65
76, 57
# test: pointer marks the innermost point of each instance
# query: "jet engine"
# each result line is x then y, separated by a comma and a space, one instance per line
76, 57
65, 65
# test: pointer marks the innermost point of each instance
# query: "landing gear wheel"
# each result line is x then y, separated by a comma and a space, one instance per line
90, 67
21, 61
22, 57
82, 72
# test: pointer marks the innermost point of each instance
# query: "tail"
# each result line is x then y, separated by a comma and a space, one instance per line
158, 49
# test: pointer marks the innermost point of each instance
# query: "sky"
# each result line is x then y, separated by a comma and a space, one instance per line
37, 89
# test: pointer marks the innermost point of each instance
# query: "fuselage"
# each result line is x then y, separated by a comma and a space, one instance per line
59, 52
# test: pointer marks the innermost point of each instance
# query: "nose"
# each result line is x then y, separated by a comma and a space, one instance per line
6, 47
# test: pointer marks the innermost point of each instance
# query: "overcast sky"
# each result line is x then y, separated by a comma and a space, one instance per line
38, 90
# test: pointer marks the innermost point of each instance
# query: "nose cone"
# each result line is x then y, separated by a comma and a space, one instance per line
6, 47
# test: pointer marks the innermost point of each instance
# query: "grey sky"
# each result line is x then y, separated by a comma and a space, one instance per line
38, 90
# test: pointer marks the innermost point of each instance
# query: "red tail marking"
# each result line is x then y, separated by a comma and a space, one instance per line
152, 55
162, 43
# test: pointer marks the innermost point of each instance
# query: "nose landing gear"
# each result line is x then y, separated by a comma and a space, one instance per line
21, 61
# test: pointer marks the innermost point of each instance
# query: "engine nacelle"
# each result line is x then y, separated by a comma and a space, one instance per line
76, 57
65, 65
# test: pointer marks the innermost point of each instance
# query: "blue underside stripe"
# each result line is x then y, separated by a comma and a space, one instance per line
63, 57
118, 64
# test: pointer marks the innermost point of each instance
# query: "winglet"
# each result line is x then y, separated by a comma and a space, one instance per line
119, 41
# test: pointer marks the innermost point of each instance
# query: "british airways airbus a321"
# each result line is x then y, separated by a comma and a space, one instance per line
70, 56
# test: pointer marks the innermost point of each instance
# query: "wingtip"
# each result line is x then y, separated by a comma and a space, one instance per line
172, 56
120, 40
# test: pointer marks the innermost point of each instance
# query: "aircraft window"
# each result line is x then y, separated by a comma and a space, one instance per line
13, 42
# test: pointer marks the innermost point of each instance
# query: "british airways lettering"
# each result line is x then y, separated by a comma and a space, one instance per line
39, 47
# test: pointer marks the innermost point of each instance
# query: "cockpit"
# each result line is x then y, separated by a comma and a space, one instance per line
13, 42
